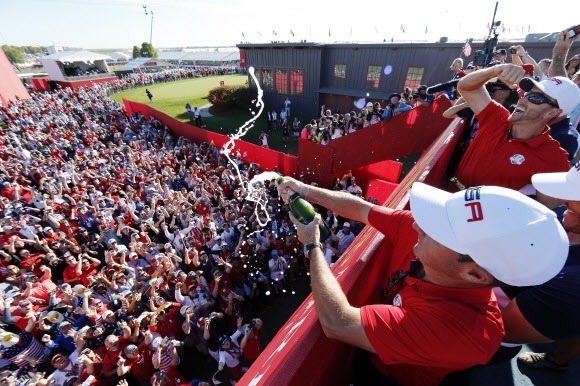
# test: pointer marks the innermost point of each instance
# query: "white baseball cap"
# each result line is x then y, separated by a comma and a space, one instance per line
8, 339
517, 240
565, 186
562, 89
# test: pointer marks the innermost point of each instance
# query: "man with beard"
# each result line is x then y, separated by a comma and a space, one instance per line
510, 148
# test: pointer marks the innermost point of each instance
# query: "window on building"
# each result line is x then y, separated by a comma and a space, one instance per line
281, 81
414, 77
339, 79
296, 82
373, 77
267, 80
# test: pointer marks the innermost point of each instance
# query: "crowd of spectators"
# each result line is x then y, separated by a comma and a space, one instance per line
122, 246
143, 78
330, 126
77, 71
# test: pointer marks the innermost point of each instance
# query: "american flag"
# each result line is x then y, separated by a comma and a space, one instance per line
466, 49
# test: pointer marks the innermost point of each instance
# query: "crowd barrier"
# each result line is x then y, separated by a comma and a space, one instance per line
300, 354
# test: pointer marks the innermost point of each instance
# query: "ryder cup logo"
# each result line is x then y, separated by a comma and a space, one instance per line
397, 301
517, 159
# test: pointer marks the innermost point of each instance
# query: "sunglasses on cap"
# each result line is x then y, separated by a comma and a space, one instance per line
538, 99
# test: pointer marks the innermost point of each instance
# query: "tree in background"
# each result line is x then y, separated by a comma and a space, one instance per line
13, 54
136, 52
147, 50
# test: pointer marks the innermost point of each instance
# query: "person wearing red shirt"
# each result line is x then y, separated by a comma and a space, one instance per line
38, 290
114, 348
251, 340
510, 148
32, 262
137, 360
89, 268
73, 271
169, 323
441, 315
50, 235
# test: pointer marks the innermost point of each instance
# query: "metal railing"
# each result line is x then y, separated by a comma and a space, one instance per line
90, 77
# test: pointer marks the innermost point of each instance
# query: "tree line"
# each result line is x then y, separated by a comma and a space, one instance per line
145, 51
16, 54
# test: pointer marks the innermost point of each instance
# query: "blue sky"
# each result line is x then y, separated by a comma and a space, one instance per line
179, 23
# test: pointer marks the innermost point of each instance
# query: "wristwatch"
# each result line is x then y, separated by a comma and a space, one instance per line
310, 246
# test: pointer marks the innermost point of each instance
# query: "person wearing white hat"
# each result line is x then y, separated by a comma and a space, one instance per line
510, 148
550, 312
441, 315
344, 237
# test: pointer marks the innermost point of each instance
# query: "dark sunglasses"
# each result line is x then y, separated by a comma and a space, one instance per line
537, 99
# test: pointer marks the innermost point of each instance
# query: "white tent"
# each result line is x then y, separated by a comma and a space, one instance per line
60, 66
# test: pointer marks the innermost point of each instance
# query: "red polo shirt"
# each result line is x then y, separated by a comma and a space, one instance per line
433, 330
70, 276
495, 159
141, 367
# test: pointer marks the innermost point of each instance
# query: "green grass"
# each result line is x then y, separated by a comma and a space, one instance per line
171, 98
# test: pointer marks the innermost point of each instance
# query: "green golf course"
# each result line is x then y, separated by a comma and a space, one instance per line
171, 98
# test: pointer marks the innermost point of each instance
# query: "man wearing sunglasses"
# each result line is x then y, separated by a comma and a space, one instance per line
509, 148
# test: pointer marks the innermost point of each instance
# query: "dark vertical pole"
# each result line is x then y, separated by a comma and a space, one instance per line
493, 20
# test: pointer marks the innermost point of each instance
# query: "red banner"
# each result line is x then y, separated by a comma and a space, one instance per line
268, 159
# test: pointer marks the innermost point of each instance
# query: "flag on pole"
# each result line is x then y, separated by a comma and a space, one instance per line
328, 31
291, 32
488, 27
466, 49
244, 36
274, 33
425, 29
402, 29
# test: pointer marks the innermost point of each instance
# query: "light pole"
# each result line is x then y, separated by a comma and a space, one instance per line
151, 34
147, 13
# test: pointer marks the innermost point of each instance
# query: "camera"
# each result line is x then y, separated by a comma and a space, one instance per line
484, 56
574, 31
513, 51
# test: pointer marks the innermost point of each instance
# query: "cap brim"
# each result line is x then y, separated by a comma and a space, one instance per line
527, 84
555, 185
428, 205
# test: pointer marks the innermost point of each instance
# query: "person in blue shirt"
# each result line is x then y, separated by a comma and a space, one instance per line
395, 107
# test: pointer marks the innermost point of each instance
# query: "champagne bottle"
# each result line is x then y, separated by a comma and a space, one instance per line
304, 211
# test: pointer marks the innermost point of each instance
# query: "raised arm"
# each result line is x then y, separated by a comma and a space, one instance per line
472, 85
560, 52
345, 204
